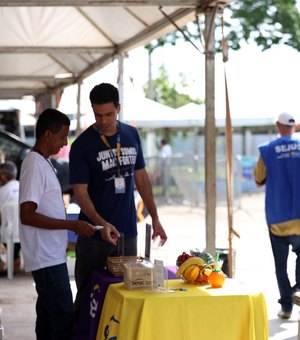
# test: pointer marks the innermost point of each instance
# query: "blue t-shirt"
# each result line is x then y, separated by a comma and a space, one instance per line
93, 163
282, 160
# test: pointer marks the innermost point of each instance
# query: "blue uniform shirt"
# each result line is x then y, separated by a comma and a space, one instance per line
282, 160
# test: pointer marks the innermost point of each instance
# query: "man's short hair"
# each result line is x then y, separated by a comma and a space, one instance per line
52, 120
105, 93
9, 169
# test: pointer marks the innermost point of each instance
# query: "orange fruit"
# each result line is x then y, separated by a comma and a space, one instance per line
216, 279
202, 278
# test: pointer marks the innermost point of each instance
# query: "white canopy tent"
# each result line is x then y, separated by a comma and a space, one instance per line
152, 115
46, 45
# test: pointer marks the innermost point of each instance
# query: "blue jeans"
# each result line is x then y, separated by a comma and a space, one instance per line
280, 247
54, 307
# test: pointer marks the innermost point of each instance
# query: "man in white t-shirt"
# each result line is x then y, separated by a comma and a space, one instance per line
165, 149
43, 229
165, 155
9, 191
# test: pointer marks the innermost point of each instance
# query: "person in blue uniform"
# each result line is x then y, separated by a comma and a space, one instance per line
278, 168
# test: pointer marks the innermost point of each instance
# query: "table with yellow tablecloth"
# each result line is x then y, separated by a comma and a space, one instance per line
233, 312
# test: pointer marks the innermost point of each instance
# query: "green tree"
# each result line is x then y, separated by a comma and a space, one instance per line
166, 92
266, 22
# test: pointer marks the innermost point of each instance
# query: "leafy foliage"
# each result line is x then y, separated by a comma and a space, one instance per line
266, 22
166, 92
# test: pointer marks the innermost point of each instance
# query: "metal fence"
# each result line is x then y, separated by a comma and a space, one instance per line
182, 179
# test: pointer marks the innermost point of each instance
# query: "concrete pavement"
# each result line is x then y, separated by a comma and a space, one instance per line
185, 227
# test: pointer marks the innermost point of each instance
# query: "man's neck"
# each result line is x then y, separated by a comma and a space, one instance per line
108, 134
41, 150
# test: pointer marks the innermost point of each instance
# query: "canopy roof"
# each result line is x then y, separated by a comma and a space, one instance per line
46, 45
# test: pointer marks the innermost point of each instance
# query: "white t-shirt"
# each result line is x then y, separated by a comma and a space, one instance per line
166, 151
39, 184
9, 191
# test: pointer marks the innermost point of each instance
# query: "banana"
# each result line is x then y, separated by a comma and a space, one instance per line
189, 262
191, 273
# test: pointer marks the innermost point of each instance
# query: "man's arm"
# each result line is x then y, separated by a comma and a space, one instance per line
30, 216
144, 188
260, 172
109, 233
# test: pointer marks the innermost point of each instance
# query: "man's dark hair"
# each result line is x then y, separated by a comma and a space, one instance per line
9, 169
52, 120
104, 93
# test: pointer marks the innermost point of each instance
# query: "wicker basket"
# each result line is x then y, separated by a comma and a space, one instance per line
115, 264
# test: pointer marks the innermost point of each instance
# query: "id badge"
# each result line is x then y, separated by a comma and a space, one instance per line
119, 185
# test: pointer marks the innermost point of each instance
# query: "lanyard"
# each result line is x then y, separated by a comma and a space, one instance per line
118, 147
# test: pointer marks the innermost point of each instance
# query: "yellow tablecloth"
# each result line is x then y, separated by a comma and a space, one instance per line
233, 312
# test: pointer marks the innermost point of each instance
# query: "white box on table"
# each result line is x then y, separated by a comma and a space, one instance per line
138, 275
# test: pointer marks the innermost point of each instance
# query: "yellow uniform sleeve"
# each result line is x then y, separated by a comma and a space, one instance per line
260, 172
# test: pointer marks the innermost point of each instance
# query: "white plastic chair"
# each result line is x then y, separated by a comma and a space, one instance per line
9, 232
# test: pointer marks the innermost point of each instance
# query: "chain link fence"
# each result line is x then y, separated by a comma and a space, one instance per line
182, 179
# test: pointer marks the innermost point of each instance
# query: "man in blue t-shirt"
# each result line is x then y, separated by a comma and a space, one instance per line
106, 164
278, 168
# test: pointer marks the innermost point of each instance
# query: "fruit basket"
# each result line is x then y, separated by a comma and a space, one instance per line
195, 269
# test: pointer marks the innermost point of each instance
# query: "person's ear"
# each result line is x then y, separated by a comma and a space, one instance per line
48, 134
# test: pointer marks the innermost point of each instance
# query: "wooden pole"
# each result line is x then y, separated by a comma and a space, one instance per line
78, 114
210, 131
229, 164
121, 84
229, 180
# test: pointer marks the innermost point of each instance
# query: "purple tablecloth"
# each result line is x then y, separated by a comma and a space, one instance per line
91, 307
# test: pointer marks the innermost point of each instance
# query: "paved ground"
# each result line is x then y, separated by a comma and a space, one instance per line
186, 229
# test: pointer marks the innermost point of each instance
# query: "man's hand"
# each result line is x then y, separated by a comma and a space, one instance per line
83, 228
158, 230
110, 234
